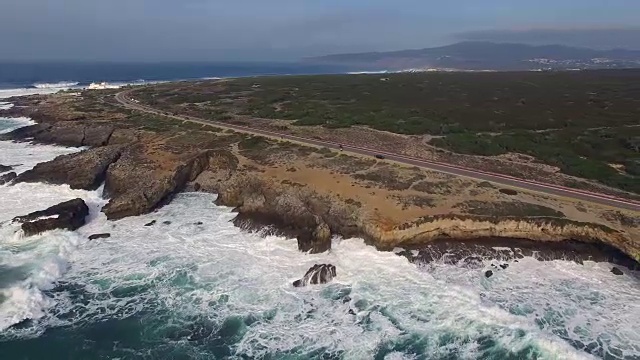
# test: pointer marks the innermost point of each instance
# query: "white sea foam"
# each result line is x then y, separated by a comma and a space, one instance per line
58, 85
193, 267
5, 105
43, 257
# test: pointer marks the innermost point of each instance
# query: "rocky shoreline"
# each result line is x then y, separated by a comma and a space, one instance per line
142, 170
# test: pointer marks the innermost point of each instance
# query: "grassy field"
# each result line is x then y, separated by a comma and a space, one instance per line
585, 123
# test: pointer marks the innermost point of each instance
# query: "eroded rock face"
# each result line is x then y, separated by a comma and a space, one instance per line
137, 184
7, 178
64, 133
68, 215
294, 211
83, 170
317, 274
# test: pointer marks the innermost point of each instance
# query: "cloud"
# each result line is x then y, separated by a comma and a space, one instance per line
597, 38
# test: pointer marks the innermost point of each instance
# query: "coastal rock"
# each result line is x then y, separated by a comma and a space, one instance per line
84, 170
7, 178
99, 236
151, 223
66, 133
428, 229
294, 211
68, 215
317, 274
616, 271
5, 168
488, 274
142, 180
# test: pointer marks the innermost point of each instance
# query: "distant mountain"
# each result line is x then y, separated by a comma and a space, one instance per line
475, 55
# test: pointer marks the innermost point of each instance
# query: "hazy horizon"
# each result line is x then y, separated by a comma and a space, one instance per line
287, 30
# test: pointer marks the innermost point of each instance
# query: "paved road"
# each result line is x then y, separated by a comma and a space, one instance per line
500, 179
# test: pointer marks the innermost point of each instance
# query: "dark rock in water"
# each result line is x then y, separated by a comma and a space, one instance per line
7, 178
153, 222
488, 273
5, 168
99, 236
351, 312
67, 215
616, 271
346, 299
167, 222
67, 133
499, 251
472, 262
504, 266
317, 274
198, 223
84, 170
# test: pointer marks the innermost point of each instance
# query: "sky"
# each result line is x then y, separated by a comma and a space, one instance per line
283, 30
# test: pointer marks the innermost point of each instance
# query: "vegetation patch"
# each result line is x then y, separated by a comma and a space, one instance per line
622, 219
509, 192
435, 188
388, 178
415, 201
508, 209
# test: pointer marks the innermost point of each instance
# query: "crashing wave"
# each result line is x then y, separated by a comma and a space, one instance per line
58, 85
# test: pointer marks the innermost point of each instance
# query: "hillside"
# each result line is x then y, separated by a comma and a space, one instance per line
487, 56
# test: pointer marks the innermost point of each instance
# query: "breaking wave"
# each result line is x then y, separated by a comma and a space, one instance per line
58, 85
192, 285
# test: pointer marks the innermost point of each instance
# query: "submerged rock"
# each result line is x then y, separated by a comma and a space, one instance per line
317, 274
7, 178
616, 271
68, 215
99, 236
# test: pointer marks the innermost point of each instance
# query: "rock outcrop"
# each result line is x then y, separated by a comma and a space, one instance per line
138, 182
84, 170
297, 212
5, 168
7, 178
472, 253
99, 236
317, 274
63, 133
426, 230
68, 215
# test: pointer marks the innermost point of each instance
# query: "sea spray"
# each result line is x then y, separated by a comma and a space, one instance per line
194, 286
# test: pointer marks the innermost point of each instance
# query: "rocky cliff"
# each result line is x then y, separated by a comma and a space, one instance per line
142, 171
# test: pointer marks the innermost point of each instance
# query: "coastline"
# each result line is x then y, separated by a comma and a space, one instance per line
310, 217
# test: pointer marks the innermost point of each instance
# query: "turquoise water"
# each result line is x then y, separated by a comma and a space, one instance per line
193, 286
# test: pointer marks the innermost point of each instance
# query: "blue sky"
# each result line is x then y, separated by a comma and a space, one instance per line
163, 30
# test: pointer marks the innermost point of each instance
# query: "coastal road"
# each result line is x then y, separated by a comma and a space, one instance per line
559, 191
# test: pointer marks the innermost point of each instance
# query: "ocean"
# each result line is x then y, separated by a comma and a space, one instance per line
193, 286
47, 75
